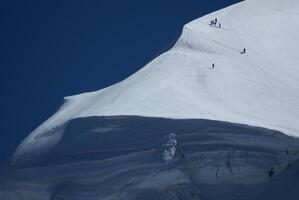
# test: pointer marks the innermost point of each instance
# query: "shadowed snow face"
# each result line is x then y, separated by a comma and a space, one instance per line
136, 158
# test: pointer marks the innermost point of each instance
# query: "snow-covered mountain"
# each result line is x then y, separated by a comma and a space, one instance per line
259, 88
184, 123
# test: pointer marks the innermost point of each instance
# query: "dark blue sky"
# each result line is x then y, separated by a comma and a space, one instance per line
51, 49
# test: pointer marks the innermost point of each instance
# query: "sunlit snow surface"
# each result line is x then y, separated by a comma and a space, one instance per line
259, 88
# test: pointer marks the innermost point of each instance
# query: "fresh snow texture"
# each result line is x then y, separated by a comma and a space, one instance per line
259, 88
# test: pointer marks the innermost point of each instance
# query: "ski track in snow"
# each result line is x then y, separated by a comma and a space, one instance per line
259, 88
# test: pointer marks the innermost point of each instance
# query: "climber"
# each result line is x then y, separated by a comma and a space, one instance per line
213, 66
219, 25
216, 21
244, 51
271, 172
213, 23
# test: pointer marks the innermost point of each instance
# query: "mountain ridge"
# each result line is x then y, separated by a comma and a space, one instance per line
249, 88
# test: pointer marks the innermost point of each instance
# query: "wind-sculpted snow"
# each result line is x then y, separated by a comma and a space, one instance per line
170, 147
97, 146
258, 88
122, 158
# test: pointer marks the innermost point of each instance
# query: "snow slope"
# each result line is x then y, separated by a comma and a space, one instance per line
259, 88
123, 158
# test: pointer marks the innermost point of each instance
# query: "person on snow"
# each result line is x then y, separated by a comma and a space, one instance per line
244, 51
212, 22
216, 21
213, 66
219, 25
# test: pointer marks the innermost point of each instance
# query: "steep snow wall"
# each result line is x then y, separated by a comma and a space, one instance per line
123, 157
260, 87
